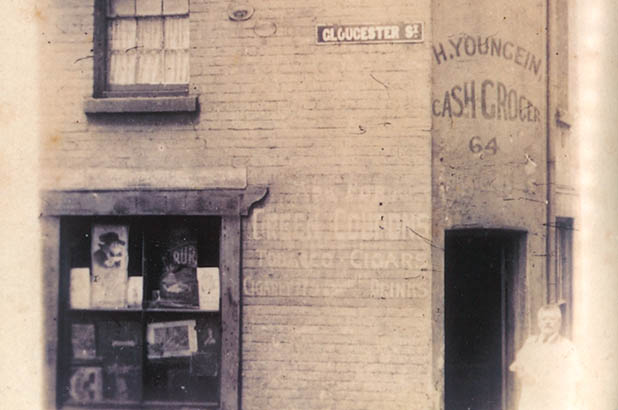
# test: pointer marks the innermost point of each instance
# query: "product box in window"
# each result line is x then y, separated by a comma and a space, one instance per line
110, 260
86, 384
178, 285
79, 291
209, 288
120, 345
135, 286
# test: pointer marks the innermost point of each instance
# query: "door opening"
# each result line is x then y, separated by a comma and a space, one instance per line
484, 301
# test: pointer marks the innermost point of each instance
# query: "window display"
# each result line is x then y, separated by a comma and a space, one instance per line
142, 322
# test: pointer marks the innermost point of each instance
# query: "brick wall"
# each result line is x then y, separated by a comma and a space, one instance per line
336, 261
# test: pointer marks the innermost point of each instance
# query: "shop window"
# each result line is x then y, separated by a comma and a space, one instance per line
141, 47
143, 297
140, 319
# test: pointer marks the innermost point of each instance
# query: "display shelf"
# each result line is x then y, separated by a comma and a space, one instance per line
168, 404
115, 404
106, 310
138, 310
151, 405
179, 310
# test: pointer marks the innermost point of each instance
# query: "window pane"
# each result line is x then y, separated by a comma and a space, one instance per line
122, 45
122, 67
175, 6
150, 67
122, 34
176, 33
176, 67
149, 50
150, 33
148, 7
121, 8
150, 44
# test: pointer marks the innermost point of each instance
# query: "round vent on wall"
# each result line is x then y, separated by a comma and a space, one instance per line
240, 11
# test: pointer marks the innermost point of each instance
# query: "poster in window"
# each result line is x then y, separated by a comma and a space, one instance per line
178, 286
86, 384
206, 361
110, 260
83, 341
120, 345
171, 339
208, 336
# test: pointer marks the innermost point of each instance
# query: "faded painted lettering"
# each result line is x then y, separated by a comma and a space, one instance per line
495, 100
491, 46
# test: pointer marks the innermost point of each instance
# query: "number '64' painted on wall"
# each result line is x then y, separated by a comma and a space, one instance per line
476, 145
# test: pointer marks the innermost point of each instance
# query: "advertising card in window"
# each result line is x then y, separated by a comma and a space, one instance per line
110, 259
208, 279
86, 384
83, 341
171, 339
179, 287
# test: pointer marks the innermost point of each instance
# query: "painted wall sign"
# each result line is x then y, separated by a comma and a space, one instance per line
476, 146
370, 33
489, 100
466, 46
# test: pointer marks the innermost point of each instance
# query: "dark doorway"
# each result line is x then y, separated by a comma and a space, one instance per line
483, 299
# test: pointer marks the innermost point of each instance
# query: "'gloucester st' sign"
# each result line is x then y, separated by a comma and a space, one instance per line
370, 33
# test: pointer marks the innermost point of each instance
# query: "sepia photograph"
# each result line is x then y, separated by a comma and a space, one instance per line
320, 205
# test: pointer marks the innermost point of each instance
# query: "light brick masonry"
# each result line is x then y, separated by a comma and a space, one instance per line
336, 261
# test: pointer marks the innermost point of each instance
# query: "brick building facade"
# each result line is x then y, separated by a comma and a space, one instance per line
338, 173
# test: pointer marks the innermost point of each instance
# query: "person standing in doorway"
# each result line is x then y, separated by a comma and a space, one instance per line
548, 366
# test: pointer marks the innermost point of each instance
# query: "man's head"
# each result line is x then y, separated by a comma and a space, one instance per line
113, 249
549, 320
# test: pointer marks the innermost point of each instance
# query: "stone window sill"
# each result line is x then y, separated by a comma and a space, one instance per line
140, 104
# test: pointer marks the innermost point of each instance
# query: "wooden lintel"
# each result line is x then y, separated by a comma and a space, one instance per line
151, 202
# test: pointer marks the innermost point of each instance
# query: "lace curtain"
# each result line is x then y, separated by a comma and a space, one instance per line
149, 50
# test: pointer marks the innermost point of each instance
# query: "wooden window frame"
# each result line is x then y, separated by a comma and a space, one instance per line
101, 88
228, 204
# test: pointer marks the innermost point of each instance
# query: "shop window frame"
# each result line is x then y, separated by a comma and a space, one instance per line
230, 205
